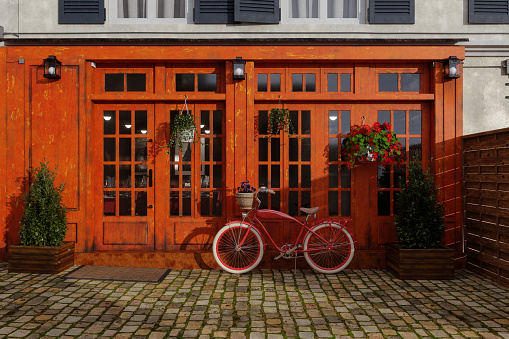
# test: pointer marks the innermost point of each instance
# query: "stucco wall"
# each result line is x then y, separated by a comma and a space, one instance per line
485, 106
433, 19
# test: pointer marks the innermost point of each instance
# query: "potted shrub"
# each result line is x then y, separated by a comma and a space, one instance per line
420, 229
371, 143
245, 195
182, 130
279, 120
43, 228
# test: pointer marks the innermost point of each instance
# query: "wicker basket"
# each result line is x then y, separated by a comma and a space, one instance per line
245, 200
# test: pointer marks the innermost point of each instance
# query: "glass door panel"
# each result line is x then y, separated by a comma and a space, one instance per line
196, 170
124, 160
125, 170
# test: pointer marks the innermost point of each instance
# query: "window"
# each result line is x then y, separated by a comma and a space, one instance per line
394, 82
138, 79
148, 11
323, 11
190, 82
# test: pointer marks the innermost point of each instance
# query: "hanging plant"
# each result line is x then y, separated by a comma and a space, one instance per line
182, 130
377, 142
279, 120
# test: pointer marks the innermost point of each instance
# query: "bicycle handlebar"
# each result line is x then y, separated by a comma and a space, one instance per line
264, 189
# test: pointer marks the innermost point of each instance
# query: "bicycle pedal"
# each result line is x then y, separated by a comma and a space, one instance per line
277, 257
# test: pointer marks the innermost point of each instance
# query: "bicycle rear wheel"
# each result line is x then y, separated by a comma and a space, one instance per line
323, 258
236, 259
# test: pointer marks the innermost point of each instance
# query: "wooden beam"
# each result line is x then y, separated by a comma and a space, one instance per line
325, 53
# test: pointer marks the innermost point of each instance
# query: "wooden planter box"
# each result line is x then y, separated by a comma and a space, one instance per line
420, 263
45, 260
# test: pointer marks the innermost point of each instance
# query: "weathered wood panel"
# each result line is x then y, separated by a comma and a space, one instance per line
486, 199
54, 132
125, 233
302, 53
448, 130
3, 150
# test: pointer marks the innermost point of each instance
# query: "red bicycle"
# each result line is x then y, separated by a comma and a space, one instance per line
328, 246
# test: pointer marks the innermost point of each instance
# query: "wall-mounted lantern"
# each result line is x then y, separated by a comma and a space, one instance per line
453, 68
239, 69
52, 67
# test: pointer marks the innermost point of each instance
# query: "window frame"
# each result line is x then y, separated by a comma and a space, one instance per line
151, 18
137, 69
424, 85
322, 15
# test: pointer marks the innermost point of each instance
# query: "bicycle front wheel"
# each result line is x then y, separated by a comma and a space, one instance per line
230, 256
329, 248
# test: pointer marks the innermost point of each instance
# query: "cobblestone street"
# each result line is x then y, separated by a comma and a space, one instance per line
260, 304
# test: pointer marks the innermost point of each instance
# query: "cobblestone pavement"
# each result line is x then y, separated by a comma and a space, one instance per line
262, 304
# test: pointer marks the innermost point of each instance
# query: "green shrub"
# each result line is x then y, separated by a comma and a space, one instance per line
420, 215
44, 221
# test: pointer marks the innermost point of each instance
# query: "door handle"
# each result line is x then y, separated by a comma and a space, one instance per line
149, 178
150, 206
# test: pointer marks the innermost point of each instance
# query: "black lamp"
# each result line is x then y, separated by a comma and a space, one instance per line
52, 67
453, 68
239, 69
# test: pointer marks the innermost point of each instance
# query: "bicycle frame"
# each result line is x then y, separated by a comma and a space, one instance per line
276, 215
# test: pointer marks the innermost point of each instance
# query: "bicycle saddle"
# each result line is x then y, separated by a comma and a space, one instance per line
311, 210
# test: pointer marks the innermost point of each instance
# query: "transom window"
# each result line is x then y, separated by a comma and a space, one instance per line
190, 82
399, 82
120, 82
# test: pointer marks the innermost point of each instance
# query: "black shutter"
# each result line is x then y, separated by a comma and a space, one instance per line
488, 11
213, 11
81, 11
391, 11
260, 11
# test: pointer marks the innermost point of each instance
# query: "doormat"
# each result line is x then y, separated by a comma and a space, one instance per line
113, 273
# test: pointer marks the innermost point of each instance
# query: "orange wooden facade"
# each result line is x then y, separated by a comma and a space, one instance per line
65, 122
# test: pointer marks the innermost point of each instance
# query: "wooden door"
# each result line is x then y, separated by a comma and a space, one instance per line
125, 178
192, 181
288, 165
374, 187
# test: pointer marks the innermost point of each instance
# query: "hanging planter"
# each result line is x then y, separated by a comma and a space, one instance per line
370, 143
183, 128
279, 120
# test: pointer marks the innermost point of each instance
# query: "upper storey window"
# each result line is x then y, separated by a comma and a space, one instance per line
323, 11
148, 11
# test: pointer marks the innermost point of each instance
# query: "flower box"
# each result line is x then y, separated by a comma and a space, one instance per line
41, 259
414, 264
